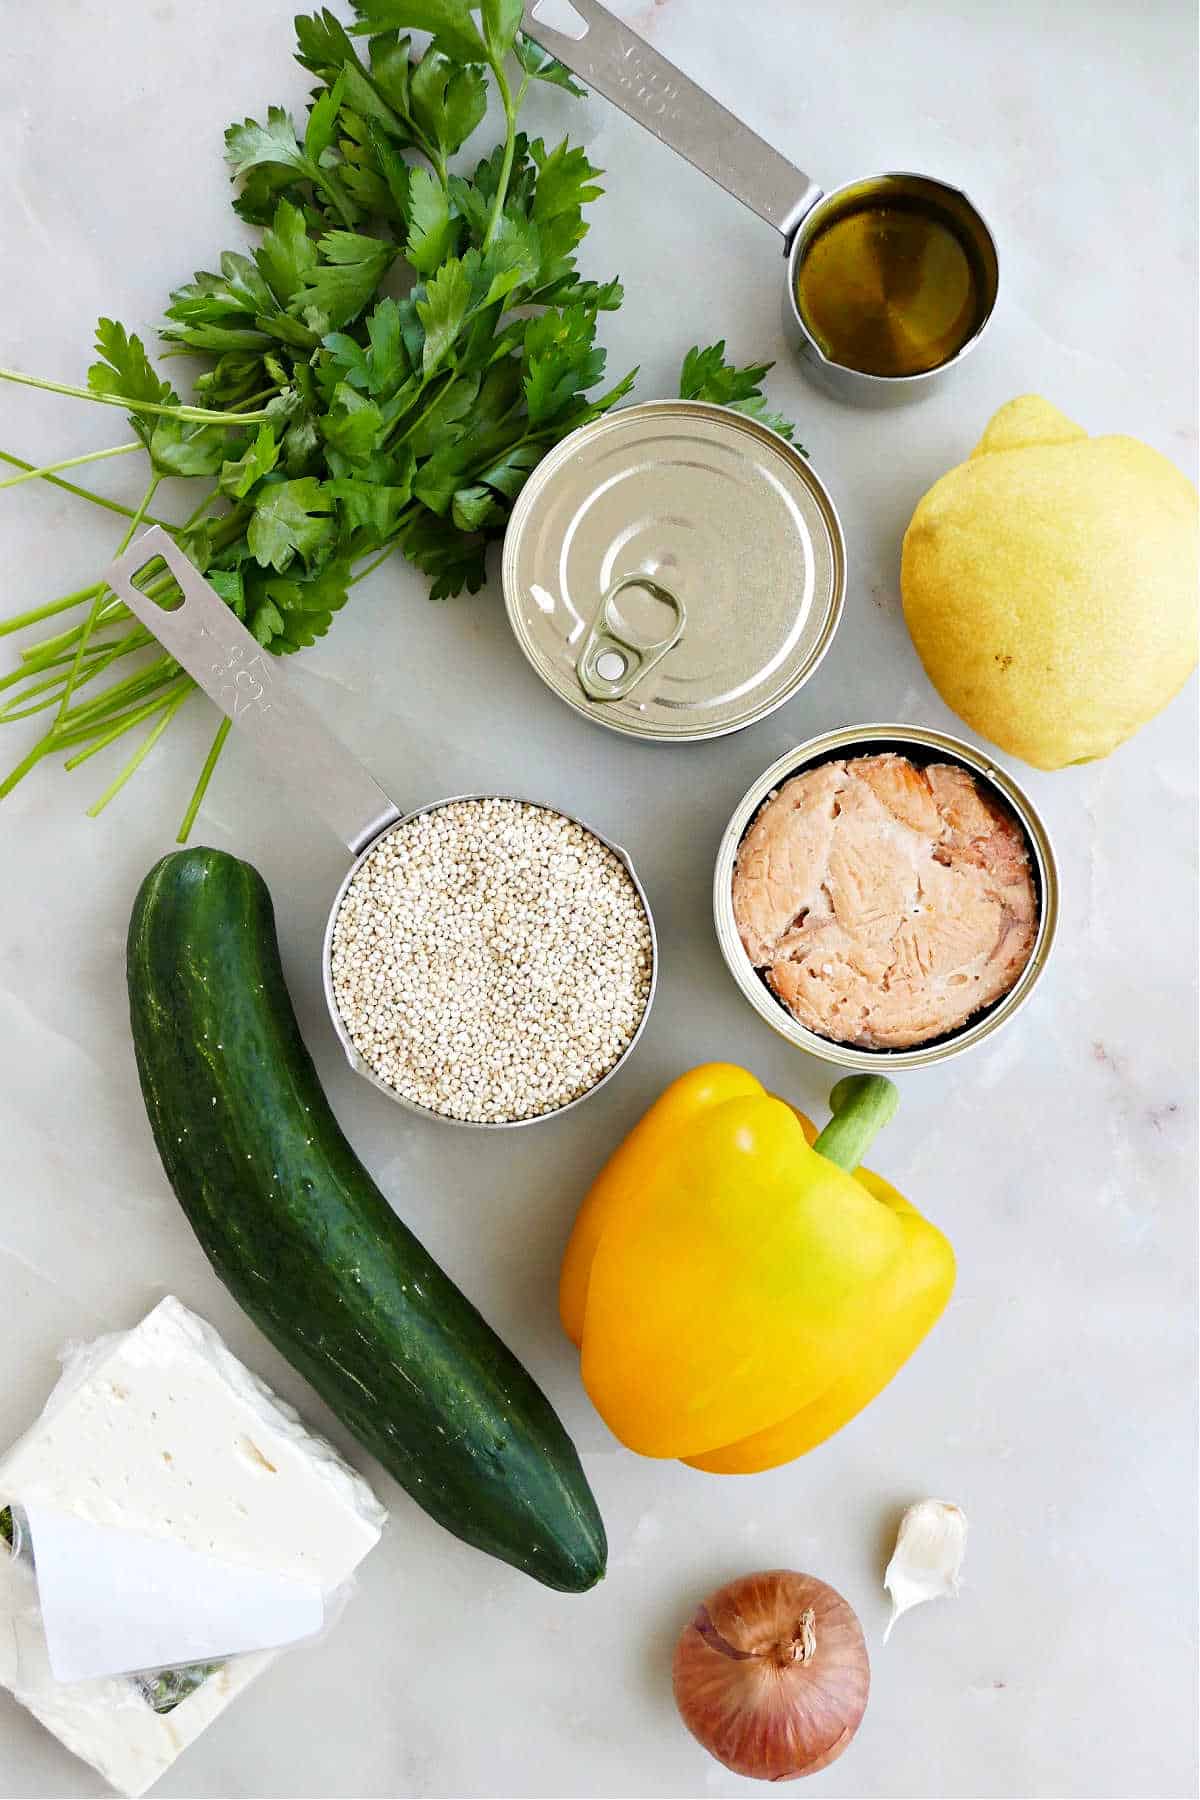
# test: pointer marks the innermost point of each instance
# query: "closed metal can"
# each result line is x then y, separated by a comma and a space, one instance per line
922, 747
674, 571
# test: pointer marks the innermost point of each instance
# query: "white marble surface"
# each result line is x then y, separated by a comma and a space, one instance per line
1056, 1401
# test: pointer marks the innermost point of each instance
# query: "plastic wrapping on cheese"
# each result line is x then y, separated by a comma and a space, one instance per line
162, 1431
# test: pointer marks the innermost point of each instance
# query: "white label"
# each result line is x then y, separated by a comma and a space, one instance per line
115, 1602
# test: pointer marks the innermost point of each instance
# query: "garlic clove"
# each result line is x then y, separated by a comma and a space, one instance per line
925, 1565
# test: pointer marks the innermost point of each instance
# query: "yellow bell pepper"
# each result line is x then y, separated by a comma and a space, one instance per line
737, 1286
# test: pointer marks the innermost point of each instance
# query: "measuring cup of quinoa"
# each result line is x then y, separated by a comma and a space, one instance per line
885, 896
487, 960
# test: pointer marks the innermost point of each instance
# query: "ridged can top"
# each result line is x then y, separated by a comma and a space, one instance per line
674, 571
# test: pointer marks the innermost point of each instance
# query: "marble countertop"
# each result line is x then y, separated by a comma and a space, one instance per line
1055, 1402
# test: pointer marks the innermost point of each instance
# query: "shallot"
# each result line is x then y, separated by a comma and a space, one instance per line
772, 1675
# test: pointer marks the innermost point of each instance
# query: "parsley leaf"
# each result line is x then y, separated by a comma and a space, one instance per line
289, 518
707, 376
127, 370
387, 359
231, 585
454, 31
262, 187
391, 70
448, 102
451, 559
249, 144
394, 172
296, 611
560, 359
353, 425
565, 184
340, 285
543, 67
322, 43
476, 508
287, 254
431, 231
322, 121
443, 310
368, 506
237, 478
181, 449
501, 19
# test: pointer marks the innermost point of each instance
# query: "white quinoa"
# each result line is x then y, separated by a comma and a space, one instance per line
491, 960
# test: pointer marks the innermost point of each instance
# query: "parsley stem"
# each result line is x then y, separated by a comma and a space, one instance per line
112, 724
202, 508
100, 657
81, 493
94, 611
138, 516
371, 568
21, 769
511, 109
26, 703
36, 614
193, 415
431, 406
72, 462
24, 672
125, 723
143, 750
330, 185
132, 687
64, 640
201, 787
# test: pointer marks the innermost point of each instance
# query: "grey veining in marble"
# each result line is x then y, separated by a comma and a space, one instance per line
1056, 1400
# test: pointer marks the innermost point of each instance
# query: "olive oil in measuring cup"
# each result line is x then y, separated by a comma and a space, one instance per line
891, 287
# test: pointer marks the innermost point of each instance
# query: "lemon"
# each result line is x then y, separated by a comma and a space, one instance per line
1050, 585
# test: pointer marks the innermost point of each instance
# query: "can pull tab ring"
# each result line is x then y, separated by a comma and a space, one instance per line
610, 665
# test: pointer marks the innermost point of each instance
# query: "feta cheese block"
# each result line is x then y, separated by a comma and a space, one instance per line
162, 1431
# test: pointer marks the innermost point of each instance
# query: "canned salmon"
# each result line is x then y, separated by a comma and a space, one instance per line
885, 896
674, 570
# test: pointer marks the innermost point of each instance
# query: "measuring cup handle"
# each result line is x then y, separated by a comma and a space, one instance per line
216, 650
620, 65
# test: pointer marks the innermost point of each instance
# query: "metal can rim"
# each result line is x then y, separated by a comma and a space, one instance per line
567, 446
812, 752
363, 1068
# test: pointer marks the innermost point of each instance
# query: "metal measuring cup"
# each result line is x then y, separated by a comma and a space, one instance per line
212, 645
622, 66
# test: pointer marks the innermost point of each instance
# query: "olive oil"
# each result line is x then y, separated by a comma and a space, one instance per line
890, 289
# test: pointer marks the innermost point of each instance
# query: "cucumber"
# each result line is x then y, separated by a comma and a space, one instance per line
308, 1245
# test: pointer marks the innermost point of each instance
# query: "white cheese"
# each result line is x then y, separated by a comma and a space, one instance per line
161, 1430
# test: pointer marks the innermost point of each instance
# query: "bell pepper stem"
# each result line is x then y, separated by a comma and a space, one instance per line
861, 1105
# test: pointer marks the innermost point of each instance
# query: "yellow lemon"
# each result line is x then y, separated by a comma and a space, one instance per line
1050, 585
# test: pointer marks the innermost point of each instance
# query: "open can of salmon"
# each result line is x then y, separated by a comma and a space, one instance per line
885, 896
674, 570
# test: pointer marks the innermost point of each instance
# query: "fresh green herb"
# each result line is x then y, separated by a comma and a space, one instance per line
165, 1690
332, 422
6, 1525
707, 376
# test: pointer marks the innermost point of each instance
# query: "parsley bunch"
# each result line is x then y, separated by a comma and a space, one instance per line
382, 373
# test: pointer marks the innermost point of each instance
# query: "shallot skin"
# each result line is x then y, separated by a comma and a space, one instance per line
772, 1675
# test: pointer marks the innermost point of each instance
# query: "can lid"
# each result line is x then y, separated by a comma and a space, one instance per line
674, 571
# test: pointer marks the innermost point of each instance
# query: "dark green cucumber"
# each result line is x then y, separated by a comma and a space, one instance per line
307, 1244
